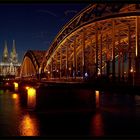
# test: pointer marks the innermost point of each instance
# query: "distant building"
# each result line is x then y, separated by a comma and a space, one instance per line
9, 64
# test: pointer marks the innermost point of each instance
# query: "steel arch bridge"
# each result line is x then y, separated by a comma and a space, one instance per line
101, 40
31, 64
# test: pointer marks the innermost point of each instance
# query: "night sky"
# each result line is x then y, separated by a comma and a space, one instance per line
34, 26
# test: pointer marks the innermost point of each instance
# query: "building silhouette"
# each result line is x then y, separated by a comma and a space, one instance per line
9, 64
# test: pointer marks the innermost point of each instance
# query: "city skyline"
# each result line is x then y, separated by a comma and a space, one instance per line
34, 26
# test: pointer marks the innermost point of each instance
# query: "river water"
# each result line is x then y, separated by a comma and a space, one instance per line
67, 114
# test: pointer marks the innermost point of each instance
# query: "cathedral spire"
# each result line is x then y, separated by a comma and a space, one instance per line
5, 52
13, 53
14, 47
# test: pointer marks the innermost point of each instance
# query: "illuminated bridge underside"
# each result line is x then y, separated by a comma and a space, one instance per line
105, 43
31, 64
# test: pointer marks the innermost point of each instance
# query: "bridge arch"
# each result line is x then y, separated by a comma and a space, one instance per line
31, 64
101, 40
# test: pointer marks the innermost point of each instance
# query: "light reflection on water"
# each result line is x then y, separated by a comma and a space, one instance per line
97, 128
15, 86
97, 98
28, 126
31, 97
15, 96
113, 108
22, 122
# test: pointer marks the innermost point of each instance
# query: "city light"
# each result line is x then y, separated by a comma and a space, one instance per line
31, 91
84, 82
27, 88
31, 97
16, 86
14, 96
7, 84
131, 70
97, 98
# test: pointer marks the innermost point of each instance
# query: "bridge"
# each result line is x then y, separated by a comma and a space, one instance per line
100, 41
31, 64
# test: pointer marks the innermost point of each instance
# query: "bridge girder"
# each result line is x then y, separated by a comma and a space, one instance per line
97, 44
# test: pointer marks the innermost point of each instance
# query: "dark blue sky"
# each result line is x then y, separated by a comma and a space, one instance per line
34, 26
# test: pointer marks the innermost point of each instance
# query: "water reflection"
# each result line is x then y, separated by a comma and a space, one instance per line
29, 126
16, 86
97, 98
14, 96
97, 128
118, 114
31, 101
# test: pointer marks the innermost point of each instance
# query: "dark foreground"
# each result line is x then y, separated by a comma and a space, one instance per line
70, 113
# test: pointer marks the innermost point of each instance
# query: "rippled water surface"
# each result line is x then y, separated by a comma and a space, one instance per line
70, 115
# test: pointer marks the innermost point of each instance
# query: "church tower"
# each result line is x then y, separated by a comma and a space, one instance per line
13, 55
5, 57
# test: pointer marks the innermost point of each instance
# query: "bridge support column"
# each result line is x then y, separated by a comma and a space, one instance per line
74, 60
83, 54
52, 68
123, 66
60, 71
108, 68
137, 54
107, 58
96, 51
113, 50
101, 55
57, 69
66, 62
129, 54
119, 57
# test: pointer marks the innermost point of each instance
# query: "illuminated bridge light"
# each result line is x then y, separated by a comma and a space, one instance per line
27, 88
16, 86
97, 98
31, 97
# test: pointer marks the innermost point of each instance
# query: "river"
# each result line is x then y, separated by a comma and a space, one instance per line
64, 113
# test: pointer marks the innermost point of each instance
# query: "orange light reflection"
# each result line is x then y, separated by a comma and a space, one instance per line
31, 95
28, 126
14, 96
97, 97
16, 86
97, 128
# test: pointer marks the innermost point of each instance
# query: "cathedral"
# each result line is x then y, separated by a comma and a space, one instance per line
9, 65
